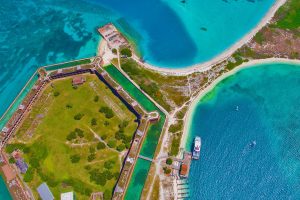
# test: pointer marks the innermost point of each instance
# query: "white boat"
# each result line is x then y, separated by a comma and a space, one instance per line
197, 148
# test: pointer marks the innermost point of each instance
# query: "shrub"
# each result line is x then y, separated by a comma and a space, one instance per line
123, 125
69, 106
91, 157
107, 195
75, 158
121, 147
100, 145
169, 161
116, 175
92, 150
175, 146
34, 162
106, 123
127, 145
112, 143
71, 136
11, 147
114, 51
26, 150
78, 116
167, 170
97, 177
103, 137
79, 132
12, 160
94, 122
108, 175
78, 186
56, 93
109, 164
96, 98
126, 52
87, 167
108, 112
120, 135
29, 175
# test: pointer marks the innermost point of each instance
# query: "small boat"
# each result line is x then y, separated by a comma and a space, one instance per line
197, 147
237, 108
252, 144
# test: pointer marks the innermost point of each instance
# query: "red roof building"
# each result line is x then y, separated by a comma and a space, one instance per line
184, 170
78, 80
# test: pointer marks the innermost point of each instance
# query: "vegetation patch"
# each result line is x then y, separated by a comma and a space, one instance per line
70, 145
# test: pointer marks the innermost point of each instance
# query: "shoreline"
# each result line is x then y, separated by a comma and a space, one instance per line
200, 67
253, 63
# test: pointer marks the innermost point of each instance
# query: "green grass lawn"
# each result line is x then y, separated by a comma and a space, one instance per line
65, 152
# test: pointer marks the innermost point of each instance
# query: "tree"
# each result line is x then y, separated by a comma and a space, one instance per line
78, 116
29, 175
71, 136
103, 137
34, 162
11, 160
94, 122
79, 132
106, 123
97, 177
108, 112
56, 93
92, 150
100, 145
114, 51
91, 157
109, 164
169, 161
69, 106
167, 170
75, 158
126, 52
112, 143
108, 175
96, 98
26, 150
107, 195
121, 147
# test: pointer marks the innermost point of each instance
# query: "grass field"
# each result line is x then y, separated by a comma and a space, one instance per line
73, 138
288, 15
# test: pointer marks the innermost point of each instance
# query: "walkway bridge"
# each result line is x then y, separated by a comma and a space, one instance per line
146, 158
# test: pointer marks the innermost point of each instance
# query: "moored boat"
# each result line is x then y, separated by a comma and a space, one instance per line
197, 147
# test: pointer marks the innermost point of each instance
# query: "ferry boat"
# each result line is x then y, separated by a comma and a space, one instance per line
197, 147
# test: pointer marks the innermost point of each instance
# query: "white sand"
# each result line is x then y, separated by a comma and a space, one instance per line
227, 53
253, 63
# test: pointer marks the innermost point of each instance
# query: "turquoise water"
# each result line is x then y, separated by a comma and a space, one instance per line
4, 193
34, 33
252, 152
149, 145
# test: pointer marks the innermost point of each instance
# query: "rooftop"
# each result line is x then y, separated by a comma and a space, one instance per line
45, 192
9, 173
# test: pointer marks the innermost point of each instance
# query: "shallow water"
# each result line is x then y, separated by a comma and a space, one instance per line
252, 152
34, 33
4, 193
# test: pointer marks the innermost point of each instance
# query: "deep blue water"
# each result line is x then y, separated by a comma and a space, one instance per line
168, 33
231, 165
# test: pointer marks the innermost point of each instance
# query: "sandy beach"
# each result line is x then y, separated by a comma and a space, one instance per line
223, 56
250, 64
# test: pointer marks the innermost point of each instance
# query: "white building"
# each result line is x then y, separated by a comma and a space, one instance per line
67, 196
